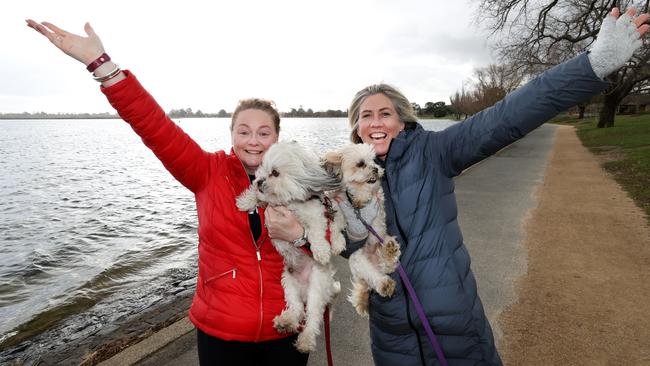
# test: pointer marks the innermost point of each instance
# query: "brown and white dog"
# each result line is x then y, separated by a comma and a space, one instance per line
361, 183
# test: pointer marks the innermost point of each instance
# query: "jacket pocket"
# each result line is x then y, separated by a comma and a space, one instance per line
229, 273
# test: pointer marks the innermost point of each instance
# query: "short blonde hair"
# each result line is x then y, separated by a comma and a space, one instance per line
402, 106
256, 103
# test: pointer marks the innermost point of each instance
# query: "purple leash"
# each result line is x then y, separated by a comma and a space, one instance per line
418, 306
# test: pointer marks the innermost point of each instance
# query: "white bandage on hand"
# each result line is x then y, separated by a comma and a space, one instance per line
616, 42
355, 228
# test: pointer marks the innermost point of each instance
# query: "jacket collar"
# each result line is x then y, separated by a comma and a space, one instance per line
237, 172
400, 143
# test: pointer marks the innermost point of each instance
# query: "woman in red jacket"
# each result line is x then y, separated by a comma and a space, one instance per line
238, 291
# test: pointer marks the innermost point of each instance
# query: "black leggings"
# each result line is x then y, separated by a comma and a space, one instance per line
216, 352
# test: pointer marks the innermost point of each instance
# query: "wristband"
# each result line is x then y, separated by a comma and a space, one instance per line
98, 62
301, 240
108, 76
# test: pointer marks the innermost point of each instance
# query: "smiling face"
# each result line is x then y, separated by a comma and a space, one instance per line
379, 123
253, 132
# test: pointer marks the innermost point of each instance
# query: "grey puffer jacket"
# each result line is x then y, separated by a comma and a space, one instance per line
421, 212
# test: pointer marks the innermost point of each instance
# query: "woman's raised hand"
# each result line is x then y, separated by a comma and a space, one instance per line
617, 40
82, 49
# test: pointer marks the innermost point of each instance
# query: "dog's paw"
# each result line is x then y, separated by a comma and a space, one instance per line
336, 288
359, 297
306, 342
386, 287
338, 244
321, 255
360, 303
284, 323
247, 201
390, 249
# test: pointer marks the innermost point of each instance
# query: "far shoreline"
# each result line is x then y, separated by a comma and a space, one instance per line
74, 117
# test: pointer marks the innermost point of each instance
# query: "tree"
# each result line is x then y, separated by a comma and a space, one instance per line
490, 84
437, 109
537, 35
462, 104
493, 83
416, 108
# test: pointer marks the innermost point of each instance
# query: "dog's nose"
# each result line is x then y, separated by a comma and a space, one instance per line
260, 183
375, 170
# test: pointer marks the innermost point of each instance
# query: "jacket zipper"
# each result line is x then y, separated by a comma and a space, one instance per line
258, 254
259, 269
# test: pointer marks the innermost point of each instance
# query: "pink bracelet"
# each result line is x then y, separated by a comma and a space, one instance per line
98, 62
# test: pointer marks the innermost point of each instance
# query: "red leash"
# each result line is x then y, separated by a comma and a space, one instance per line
326, 315
329, 214
328, 348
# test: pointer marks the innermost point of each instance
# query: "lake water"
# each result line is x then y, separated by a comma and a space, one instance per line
93, 229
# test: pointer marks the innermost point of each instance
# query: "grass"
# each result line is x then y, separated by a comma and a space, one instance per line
626, 148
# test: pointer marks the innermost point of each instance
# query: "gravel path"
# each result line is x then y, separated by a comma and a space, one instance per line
584, 299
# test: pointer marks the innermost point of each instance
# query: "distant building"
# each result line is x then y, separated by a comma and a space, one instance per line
635, 103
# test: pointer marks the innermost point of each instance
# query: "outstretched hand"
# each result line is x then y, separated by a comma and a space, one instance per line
639, 22
618, 38
82, 49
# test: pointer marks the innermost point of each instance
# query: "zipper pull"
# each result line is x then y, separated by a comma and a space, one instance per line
259, 256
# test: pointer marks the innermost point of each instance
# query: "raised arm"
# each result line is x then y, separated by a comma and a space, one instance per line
183, 157
545, 96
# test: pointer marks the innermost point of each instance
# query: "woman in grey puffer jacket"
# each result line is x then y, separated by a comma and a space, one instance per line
421, 206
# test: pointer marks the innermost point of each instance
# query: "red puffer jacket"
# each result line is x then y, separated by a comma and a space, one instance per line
238, 292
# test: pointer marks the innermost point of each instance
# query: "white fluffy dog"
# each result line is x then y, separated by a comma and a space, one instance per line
370, 265
294, 177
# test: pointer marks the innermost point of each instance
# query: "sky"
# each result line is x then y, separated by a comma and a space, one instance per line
207, 55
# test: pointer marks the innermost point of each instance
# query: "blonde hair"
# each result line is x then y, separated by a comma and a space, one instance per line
256, 103
402, 106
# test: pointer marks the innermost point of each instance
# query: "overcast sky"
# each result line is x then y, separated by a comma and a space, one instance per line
209, 54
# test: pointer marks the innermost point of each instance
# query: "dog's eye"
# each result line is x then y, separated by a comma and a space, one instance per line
361, 164
275, 173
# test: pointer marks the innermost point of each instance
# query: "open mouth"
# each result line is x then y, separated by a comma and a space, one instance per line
372, 180
378, 135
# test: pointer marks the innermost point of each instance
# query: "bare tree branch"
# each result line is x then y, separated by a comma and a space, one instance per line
532, 35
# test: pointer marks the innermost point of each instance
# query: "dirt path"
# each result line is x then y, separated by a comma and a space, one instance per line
586, 296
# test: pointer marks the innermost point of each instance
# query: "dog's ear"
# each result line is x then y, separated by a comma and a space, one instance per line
331, 161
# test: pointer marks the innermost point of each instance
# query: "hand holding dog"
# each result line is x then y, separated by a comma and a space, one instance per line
282, 224
356, 229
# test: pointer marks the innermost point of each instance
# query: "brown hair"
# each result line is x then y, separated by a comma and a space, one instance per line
257, 103
402, 106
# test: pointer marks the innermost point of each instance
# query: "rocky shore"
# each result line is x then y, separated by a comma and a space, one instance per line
80, 342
